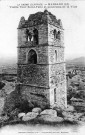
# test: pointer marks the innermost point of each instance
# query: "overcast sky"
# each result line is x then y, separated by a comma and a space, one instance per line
73, 20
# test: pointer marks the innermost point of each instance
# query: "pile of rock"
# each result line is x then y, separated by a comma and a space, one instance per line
30, 115
54, 115
48, 115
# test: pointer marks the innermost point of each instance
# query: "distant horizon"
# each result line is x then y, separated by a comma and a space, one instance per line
3, 58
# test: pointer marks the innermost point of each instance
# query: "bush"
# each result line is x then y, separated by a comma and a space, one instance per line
15, 101
25, 106
12, 101
72, 92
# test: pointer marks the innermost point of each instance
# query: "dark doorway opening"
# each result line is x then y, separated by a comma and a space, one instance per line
35, 33
32, 57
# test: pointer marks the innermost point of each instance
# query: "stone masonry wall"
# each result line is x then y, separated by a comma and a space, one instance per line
42, 54
41, 96
36, 75
51, 40
40, 79
42, 35
61, 95
57, 71
53, 58
56, 74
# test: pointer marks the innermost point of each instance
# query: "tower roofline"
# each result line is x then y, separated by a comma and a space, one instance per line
40, 18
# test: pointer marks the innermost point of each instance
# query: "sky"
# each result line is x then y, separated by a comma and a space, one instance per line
73, 20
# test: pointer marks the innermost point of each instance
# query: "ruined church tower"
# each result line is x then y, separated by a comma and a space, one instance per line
41, 66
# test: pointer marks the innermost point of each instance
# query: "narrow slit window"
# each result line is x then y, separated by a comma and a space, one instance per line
55, 55
54, 95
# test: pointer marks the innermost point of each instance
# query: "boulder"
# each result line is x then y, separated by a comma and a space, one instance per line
50, 119
56, 106
20, 115
36, 110
29, 116
59, 110
49, 112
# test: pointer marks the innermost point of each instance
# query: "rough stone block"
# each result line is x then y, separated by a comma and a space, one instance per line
50, 118
29, 116
36, 110
51, 112
20, 115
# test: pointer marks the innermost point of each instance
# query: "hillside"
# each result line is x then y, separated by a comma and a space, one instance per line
8, 65
76, 62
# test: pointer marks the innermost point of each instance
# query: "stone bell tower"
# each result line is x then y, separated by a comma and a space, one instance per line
41, 66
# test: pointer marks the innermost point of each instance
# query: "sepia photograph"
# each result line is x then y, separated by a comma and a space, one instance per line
42, 67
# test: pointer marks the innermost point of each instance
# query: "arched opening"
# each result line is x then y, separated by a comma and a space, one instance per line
58, 35
54, 32
32, 57
35, 35
55, 55
28, 35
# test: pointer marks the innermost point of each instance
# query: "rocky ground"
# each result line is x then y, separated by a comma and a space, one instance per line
47, 116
